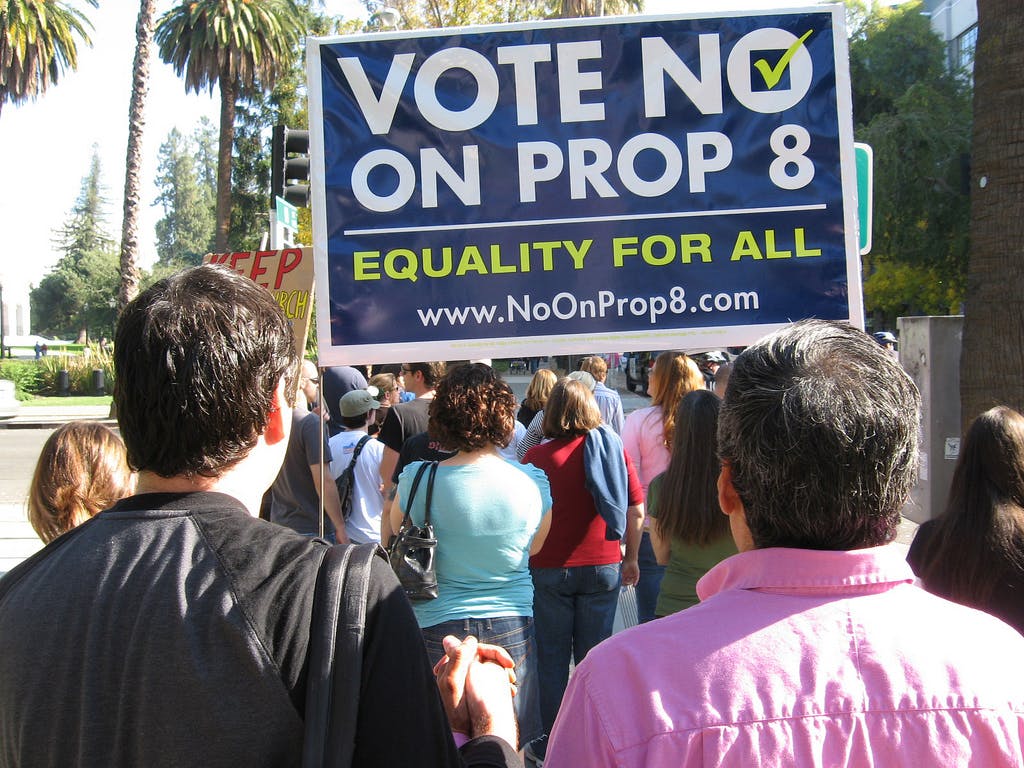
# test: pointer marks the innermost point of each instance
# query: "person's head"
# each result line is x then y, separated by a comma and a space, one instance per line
357, 408
722, 378
472, 408
309, 381
420, 378
82, 470
199, 358
688, 502
571, 410
540, 387
818, 439
595, 366
673, 376
387, 389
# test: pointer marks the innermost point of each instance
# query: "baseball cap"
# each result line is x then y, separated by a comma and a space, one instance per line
585, 377
357, 402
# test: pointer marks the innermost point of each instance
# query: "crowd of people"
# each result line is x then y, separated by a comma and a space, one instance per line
752, 507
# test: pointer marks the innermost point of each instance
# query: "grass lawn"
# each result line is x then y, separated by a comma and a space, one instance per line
73, 400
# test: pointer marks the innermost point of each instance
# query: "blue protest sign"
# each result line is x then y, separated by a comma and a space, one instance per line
647, 182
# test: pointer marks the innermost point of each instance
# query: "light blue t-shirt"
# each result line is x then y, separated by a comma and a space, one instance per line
485, 516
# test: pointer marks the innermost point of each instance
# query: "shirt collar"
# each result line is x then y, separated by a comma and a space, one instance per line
784, 569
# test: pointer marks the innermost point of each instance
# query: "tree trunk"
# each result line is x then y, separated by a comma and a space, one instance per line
992, 361
130, 277
228, 94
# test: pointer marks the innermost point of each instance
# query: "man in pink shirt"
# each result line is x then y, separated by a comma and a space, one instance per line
813, 645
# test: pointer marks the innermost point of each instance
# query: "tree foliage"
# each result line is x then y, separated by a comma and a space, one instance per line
38, 41
79, 296
241, 46
187, 195
916, 115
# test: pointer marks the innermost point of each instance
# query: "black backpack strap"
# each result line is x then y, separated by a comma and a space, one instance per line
335, 657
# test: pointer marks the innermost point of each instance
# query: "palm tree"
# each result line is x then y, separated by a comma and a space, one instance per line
133, 162
241, 45
37, 43
991, 364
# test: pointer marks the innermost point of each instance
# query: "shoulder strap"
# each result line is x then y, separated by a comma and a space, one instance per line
407, 503
335, 656
430, 492
359, 447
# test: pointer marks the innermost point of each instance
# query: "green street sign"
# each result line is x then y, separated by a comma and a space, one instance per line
865, 158
288, 214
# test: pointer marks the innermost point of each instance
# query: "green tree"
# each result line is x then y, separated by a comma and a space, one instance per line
185, 232
130, 275
992, 362
38, 42
916, 116
79, 296
239, 45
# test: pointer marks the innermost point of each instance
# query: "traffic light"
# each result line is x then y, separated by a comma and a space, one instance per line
285, 170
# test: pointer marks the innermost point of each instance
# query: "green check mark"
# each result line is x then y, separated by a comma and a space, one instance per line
772, 75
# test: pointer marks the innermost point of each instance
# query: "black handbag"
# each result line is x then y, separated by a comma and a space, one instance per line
412, 549
335, 655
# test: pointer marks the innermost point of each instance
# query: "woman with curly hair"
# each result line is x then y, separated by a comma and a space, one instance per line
974, 552
689, 532
647, 436
537, 393
82, 470
489, 516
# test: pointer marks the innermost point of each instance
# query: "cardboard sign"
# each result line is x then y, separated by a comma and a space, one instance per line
571, 186
287, 273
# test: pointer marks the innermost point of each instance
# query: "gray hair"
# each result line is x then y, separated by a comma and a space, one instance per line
819, 425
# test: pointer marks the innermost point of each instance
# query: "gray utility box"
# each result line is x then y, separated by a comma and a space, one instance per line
929, 350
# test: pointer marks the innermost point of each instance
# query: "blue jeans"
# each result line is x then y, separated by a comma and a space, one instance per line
515, 635
650, 581
575, 610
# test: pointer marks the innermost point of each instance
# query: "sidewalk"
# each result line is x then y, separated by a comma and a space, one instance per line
17, 539
44, 417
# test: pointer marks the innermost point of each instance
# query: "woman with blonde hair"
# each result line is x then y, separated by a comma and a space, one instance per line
647, 436
974, 552
537, 394
82, 470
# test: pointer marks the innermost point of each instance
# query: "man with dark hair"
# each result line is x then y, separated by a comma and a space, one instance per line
357, 410
407, 419
173, 628
813, 645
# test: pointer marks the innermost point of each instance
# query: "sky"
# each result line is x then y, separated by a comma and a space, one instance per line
46, 145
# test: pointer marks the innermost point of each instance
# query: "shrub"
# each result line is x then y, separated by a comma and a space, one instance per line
26, 375
79, 370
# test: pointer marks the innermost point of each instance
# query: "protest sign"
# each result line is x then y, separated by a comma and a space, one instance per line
557, 187
287, 273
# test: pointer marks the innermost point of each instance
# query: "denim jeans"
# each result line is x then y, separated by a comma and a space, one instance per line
515, 635
575, 610
650, 581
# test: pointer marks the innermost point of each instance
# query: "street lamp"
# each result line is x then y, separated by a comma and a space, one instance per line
386, 18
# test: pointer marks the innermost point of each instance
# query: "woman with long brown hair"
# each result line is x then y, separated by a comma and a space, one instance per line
689, 532
647, 436
974, 552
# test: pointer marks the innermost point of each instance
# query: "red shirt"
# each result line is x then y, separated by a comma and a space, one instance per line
577, 535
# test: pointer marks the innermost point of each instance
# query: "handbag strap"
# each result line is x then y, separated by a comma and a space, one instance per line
430, 492
406, 520
335, 656
359, 447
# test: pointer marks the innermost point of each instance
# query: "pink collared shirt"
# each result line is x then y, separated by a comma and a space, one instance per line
801, 658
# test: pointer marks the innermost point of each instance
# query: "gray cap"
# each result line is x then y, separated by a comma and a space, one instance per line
585, 377
357, 402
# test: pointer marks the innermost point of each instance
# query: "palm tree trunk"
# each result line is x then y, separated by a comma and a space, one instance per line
992, 362
228, 94
133, 161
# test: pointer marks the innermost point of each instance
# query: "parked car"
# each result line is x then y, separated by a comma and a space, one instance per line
9, 405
